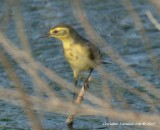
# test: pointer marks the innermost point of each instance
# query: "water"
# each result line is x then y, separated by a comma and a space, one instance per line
113, 22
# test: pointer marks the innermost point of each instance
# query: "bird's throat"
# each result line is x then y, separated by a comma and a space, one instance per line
67, 43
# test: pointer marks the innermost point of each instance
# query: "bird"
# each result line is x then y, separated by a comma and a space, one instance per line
81, 54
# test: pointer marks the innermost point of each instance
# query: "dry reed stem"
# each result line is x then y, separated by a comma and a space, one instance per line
153, 20
6, 18
20, 28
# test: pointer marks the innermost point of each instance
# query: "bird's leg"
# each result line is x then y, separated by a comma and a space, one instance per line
75, 75
74, 93
86, 86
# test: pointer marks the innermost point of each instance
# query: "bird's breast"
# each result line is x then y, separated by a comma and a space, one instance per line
75, 52
77, 56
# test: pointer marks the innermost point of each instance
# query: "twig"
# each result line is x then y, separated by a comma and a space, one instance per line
78, 101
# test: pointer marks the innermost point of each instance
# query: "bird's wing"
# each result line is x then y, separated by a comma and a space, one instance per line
93, 51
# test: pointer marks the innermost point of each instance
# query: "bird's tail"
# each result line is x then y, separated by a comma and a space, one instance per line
106, 62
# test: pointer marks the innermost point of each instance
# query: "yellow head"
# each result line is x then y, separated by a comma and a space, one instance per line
61, 31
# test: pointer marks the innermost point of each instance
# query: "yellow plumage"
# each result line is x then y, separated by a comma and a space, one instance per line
79, 52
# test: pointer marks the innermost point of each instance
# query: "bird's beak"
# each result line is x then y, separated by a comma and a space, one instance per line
45, 35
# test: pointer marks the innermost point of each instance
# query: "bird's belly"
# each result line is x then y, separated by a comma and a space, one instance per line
79, 65
78, 60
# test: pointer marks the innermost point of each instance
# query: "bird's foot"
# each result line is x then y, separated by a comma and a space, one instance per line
86, 85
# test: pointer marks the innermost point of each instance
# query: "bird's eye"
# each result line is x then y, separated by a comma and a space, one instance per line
55, 31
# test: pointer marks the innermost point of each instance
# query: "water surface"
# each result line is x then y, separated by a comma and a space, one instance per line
113, 22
